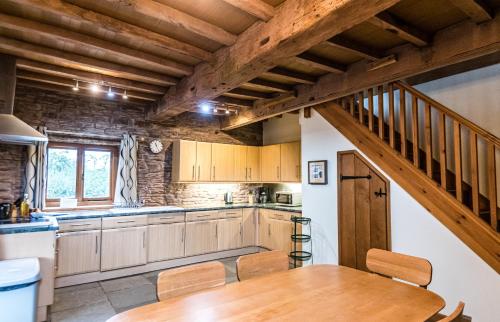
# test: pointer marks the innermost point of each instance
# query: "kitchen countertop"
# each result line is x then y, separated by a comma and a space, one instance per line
31, 225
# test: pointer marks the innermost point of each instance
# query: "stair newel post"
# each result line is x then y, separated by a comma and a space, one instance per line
380, 93
492, 185
457, 145
428, 139
402, 120
474, 172
391, 115
442, 148
414, 129
370, 109
361, 107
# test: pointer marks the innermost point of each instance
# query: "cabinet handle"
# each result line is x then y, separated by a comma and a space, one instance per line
125, 221
241, 229
297, 171
250, 173
183, 234
214, 172
144, 239
192, 176
278, 172
216, 230
79, 225
246, 173
201, 216
96, 244
269, 229
165, 218
199, 172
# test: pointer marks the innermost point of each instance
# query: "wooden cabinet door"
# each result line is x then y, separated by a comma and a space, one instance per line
290, 162
229, 233
201, 237
184, 161
253, 163
123, 247
271, 163
78, 252
264, 230
241, 171
203, 161
281, 232
166, 241
222, 162
249, 227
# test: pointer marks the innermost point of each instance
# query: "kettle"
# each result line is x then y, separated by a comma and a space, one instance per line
228, 198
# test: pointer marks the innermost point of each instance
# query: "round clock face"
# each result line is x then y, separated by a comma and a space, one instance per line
156, 146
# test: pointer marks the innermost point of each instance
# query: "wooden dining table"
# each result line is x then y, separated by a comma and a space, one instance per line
311, 293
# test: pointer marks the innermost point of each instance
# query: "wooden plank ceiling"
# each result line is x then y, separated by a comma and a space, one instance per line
237, 55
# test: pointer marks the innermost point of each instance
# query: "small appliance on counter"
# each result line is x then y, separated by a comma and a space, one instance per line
228, 198
287, 198
5, 210
262, 195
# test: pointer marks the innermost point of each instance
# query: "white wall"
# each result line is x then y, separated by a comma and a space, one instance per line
458, 274
282, 130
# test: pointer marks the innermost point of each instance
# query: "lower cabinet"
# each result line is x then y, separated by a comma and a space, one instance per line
264, 232
229, 233
78, 252
201, 237
166, 241
280, 236
123, 247
249, 237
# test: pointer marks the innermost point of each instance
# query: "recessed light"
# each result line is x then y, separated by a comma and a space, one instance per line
94, 88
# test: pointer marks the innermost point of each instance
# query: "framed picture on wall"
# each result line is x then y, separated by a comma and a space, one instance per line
318, 172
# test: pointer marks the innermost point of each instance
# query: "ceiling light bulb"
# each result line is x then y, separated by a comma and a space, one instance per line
205, 107
111, 94
125, 96
215, 110
76, 87
227, 112
94, 88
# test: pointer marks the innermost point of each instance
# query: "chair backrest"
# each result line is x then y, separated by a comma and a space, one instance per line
253, 265
408, 268
190, 279
456, 315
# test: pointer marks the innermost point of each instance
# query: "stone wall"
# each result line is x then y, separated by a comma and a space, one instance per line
89, 116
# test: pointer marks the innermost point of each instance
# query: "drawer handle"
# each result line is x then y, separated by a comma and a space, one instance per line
201, 216
165, 218
125, 221
80, 225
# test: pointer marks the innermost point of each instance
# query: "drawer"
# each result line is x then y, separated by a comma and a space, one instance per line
79, 224
166, 218
280, 215
233, 213
202, 215
124, 221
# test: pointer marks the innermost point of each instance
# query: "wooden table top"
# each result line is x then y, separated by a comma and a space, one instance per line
311, 293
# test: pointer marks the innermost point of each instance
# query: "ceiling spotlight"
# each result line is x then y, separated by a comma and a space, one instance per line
216, 110
125, 96
76, 87
94, 88
227, 112
111, 94
205, 107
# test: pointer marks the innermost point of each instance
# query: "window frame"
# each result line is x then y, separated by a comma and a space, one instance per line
80, 175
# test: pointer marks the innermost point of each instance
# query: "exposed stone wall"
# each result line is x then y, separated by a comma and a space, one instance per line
87, 115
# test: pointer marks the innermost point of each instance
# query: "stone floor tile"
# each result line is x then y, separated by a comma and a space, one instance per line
77, 298
120, 310
124, 283
95, 312
137, 296
74, 288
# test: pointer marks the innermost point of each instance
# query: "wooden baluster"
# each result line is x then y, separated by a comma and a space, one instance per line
442, 148
457, 144
402, 120
492, 185
414, 129
370, 109
391, 115
361, 107
352, 99
474, 172
381, 112
428, 139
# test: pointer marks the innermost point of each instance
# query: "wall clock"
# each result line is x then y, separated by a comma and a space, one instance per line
156, 146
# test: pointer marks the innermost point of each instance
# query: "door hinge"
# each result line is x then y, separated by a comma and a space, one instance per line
342, 178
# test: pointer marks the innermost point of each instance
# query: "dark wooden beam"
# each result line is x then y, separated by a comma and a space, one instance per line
354, 48
246, 94
390, 23
256, 8
259, 83
232, 101
290, 75
313, 61
278, 99
477, 10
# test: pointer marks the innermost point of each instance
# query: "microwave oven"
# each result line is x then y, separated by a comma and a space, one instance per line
289, 198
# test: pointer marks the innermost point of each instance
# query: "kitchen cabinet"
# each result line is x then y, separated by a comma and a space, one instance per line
241, 171
78, 252
253, 163
264, 231
249, 223
201, 237
222, 162
166, 241
229, 233
290, 162
191, 161
271, 163
280, 235
123, 247
203, 161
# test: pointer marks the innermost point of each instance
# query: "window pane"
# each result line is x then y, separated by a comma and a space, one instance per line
97, 174
61, 177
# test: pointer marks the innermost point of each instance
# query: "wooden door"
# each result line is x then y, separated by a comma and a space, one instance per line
184, 161
222, 162
364, 218
78, 252
123, 247
253, 163
241, 171
166, 241
203, 161
290, 162
249, 227
271, 163
281, 232
229, 233
201, 237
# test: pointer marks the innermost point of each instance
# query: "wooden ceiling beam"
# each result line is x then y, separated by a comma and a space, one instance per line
79, 19
69, 39
256, 8
291, 75
354, 48
151, 10
392, 24
477, 10
246, 94
75, 74
278, 99
458, 43
65, 59
233, 101
316, 62
263, 46
264, 84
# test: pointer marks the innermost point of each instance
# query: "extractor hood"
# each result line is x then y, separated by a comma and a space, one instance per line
12, 129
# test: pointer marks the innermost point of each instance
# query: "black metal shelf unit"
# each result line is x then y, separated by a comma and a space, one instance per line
301, 255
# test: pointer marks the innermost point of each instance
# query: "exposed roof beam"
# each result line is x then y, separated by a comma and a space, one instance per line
256, 8
246, 94
458, 43
76, 74
263, 84
291, 75
78, 19
313, 61
404, 31
354, 48
151, 10
477, 10
279, 99
57, 57
233, 101
91, 45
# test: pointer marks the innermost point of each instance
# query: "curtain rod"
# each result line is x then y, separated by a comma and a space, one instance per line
86, 135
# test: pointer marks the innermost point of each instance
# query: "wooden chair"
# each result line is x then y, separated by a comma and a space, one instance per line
253, 265
190, 279
408, 268
456, 315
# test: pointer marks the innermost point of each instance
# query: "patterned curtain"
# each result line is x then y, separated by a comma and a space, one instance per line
36, 172
126, 180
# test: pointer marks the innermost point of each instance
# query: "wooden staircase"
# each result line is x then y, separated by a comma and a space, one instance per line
405, 132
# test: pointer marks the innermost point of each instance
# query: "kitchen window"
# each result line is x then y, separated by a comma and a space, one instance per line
83, 172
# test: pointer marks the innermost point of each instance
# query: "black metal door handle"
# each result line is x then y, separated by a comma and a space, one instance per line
380, 193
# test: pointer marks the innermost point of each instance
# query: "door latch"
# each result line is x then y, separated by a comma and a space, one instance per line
380, 193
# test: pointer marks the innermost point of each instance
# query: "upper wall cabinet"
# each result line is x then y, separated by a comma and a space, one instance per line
253, 166
192, 161
271, 163
290, 162
223, 162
